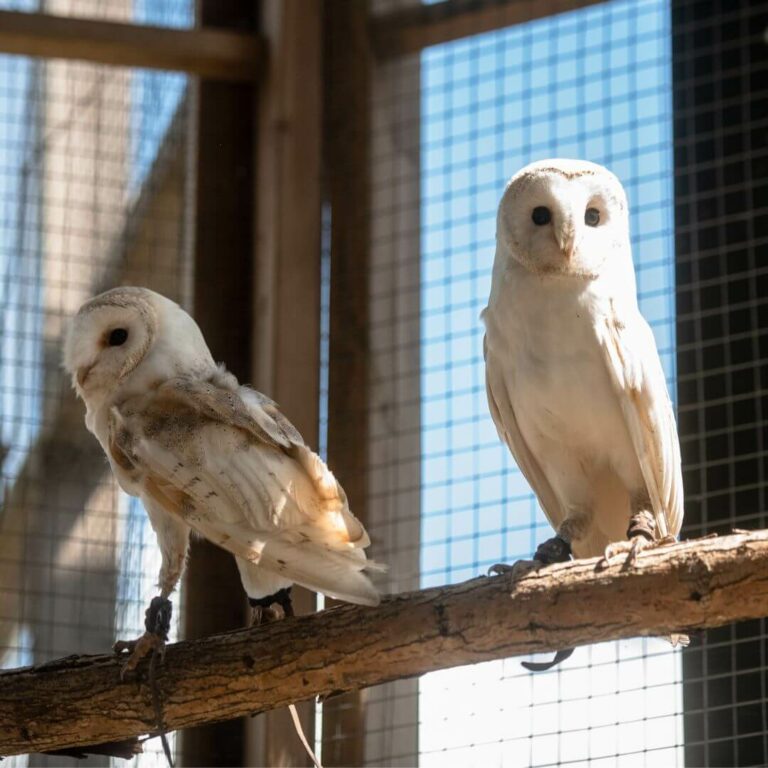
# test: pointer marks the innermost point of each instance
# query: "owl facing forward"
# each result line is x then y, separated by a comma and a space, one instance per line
574, 381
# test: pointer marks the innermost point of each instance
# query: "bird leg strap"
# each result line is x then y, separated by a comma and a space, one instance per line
157, 623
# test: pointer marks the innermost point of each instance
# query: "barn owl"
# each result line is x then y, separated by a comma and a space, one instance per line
573, 378
207, 454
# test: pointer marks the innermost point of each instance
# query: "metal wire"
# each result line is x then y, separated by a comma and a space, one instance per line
92, 194
449, 130
667, 93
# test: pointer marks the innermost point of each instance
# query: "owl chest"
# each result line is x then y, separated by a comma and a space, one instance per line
560, 384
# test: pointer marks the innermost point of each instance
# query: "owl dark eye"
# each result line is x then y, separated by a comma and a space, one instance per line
541, 216
118, 337
592, 217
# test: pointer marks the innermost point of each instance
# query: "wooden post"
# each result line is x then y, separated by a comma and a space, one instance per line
214, 600
287, 280
347, 128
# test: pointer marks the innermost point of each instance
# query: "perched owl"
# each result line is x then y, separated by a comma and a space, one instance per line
207, 454
574, 381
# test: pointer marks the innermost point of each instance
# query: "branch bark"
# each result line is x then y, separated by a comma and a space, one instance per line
697, 584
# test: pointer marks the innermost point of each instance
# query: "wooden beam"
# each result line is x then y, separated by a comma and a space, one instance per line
223, 300
694, 585
411, 29
347, 135
287, 279
211, 53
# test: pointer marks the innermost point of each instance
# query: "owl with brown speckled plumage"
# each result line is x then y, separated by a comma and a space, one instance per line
207, 454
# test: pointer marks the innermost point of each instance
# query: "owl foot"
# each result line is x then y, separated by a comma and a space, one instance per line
632, 548
554, 550
265, 610
157, 622
518, 569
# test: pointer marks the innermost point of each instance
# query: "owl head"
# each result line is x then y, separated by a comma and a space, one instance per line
130, 336
564, 217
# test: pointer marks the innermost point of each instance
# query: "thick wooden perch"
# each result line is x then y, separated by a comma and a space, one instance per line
80, 700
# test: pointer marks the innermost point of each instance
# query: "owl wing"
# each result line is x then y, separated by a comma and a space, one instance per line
234, 468
638, 378
503, 415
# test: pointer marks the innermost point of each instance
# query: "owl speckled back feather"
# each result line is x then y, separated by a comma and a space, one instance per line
207, 454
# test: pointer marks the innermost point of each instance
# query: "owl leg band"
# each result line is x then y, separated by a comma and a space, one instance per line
263, 611
641, 534
642, 524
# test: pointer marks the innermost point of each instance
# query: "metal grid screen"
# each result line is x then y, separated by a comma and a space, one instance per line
594, 83
93, 191
450, 128
669, 94
721, 170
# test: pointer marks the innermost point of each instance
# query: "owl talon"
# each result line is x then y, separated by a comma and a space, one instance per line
554, 550
138, 650
261, 615
265, 610
543, 666
517, 569
633, 547
157, 622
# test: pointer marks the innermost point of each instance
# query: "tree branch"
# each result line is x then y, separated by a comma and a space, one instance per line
694, 585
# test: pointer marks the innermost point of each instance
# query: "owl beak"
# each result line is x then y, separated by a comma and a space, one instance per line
566, 239
82, 374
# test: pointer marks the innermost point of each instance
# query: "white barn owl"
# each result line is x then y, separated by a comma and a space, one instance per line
207, 454
574, 381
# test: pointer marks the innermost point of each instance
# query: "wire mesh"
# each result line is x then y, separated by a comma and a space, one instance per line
720, 96
449, 129
391, 731
94, 192
595, 84
159, 13
93, 189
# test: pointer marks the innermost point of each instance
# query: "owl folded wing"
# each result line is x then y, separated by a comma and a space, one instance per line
638, 378
234, 469
503, 415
